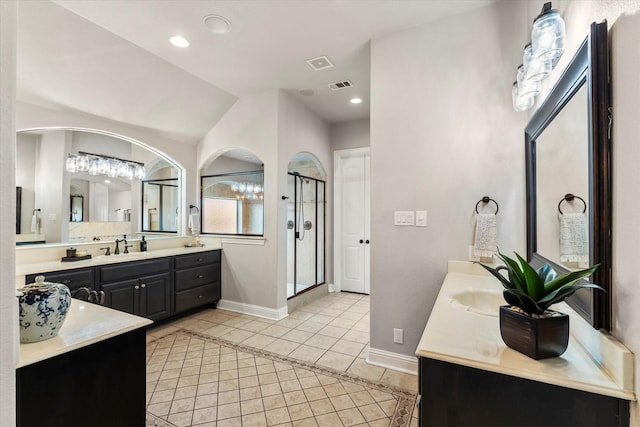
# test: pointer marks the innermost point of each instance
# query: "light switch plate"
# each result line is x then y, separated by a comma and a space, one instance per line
403, 218
421, 218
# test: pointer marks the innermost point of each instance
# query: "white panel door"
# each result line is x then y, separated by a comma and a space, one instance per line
352, 215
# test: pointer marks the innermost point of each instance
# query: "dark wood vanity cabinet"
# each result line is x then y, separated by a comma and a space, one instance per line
196, 280
73, 279
456, 395
138, 287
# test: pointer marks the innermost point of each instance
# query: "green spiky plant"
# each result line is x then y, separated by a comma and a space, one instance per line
534, 291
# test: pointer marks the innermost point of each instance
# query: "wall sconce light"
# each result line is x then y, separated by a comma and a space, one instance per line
539, 57
99, 164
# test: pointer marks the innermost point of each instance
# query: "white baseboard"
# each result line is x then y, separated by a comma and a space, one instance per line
395, 361
333, 288
254, 310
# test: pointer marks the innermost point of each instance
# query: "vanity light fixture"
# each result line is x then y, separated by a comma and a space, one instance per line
356, 100
548, 34
99, 164
539, 57
179, 41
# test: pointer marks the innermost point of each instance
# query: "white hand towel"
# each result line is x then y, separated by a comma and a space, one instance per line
35, 222
574, 240
194, 223
486, 239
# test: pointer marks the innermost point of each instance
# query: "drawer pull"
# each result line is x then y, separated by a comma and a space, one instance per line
144, 285
136, 287
199, 276
200, 296
66, 282
200, 259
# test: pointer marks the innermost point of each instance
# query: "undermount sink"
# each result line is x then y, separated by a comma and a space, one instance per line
124, 256
479, 301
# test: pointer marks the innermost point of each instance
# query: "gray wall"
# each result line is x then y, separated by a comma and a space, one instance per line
353, 134
440, 141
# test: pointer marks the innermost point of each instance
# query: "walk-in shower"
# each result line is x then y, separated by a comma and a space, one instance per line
305, 233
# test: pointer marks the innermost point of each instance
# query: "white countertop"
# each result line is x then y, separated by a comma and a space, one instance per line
465, 336
39, 267
84, 325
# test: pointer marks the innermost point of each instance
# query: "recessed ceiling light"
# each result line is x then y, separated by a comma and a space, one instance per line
356, 100
106, 181
179, 41
217, 24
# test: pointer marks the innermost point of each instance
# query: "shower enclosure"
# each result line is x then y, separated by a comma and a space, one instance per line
305, 233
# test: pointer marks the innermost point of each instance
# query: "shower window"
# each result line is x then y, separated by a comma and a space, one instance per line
160, 205
233, 204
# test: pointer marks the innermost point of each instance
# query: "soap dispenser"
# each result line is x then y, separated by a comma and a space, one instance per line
143, 245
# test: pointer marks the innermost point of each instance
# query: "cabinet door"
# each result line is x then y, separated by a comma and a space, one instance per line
122, 295
155, 296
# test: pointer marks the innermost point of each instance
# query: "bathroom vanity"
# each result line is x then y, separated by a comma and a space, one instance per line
469, 377
155, 285
91, 373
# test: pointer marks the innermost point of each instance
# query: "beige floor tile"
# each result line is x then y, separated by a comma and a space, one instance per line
228, 411
342, 401
300, 411
236, 322
335, 360
329, 420
343, 322
321, 341
333, 331
294, 397
310, 326
251, 406
362, 369
372, 412
247, 382
351, 417
290, 385
298, 336
275, 331
268, 378
356, 336
237, 335
347, 347
277, 416
229, 422
361, 398
302, 315
204, 415
306, 422
249, 393
315, 393
282, 347
307, 353
185, 392
259, 341
160, 409
400, 379
254, 420
289, 322
310, 381
208, 400
218, 330
182, 419
255, 326
322, 319
270, 389
231, 396
274, 402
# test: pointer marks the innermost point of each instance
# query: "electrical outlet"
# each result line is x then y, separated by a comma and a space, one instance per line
398, 336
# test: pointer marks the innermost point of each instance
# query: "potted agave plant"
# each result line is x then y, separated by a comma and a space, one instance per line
527, 324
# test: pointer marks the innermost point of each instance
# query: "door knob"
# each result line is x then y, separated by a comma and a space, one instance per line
367, 242
361, 241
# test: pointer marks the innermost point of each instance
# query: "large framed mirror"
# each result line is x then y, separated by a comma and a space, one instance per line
61, 205
568, 176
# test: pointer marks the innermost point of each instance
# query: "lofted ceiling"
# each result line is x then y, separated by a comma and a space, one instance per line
112, 58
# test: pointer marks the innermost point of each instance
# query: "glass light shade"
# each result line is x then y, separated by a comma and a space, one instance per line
234, 187
130, 172
103, 166
538, 70
526, 87
521, 103
547, 36
123, 169
82, 162
94, 166
139, 172
242, 187
71, 164
113, 168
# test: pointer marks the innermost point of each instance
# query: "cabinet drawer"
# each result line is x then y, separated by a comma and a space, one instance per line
197, 276
73, 279
196, 297
194, 260
134, 269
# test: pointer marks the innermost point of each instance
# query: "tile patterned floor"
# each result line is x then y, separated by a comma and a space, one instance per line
219, 368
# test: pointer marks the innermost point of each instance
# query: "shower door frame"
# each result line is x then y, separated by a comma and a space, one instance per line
295, 231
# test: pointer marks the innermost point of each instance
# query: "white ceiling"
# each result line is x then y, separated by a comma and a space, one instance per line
112, 58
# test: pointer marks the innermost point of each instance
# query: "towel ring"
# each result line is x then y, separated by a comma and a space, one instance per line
192, 207
569, 198
485, 200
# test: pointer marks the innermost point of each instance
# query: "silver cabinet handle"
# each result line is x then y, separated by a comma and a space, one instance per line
144, 285
136, 287
199, 296
199, 276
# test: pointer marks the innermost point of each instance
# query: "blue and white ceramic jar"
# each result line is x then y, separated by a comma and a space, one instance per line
43, 307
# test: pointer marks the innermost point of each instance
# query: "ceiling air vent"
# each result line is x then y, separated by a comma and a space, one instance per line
340, 85
320, 63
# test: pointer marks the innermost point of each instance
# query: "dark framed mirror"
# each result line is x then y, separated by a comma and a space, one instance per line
568, 149
76, 212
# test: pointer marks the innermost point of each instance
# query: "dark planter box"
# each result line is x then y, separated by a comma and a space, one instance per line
537, 338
